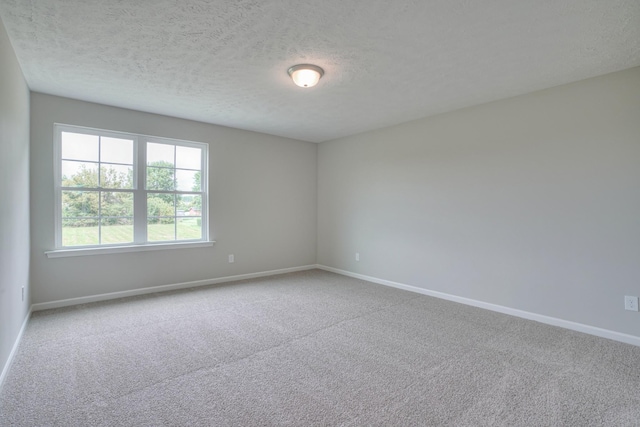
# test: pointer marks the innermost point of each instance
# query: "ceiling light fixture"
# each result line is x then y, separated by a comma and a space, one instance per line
305, 75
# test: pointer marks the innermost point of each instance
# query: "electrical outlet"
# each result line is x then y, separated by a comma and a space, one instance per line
357, 256
631, 303
232, 259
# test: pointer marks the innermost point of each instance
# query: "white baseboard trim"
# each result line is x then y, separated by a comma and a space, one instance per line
162, 288
574, 326
7, 365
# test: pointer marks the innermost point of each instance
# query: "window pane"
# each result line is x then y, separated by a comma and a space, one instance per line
161, 229
161, 205
189, 228
79, 232
79, 174
116, 150
117, 230
192, 204
189, 204
79, 146
188, 157
160, 154
187, 180
160, 179
116, 176
78, 204
116, 204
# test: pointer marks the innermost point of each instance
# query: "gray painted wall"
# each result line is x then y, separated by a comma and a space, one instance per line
531, 203
262, 205
14, 197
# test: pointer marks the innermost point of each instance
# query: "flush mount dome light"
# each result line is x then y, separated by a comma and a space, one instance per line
305, 75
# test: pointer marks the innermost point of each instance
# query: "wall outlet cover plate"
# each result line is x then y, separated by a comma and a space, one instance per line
631, 303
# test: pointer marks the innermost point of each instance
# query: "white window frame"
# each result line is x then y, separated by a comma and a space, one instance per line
139, 191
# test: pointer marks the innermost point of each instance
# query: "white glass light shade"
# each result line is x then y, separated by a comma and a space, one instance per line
305, 75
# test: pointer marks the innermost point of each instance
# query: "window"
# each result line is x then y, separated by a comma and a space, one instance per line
118, 189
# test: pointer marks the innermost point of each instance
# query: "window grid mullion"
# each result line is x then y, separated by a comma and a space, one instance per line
99, 217
175, 197
110, 190
140, 196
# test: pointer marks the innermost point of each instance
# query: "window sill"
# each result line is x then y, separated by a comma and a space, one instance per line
62, 253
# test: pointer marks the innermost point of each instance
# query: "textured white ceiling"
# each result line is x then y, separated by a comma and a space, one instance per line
385, 62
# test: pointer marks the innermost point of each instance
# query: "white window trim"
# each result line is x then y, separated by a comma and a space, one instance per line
140, 244
104, 250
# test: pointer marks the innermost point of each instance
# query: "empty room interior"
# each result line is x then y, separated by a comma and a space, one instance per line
319, 213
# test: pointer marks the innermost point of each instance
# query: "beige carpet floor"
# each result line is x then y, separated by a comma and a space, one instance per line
306, 349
